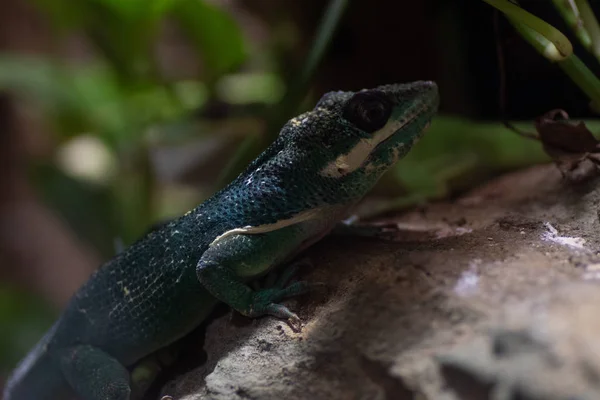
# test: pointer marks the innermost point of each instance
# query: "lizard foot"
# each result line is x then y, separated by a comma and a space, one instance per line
277, 288
264, 301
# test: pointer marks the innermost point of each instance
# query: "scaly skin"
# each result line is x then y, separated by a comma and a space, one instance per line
165, 284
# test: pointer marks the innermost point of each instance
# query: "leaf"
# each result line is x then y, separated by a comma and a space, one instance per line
563, 135
215, 33
124, 31
572, 146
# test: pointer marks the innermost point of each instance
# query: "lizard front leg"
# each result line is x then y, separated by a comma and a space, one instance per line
230, 262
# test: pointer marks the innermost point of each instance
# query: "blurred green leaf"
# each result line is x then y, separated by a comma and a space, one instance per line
457, 154
191, 94
80, 99
33, 76
123, 31
102, 104
45, 84
214, 32
456, 149
127, 44
250, 88
90, 98
138, 9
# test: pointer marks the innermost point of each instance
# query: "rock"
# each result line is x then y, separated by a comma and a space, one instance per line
544, 349
497, 301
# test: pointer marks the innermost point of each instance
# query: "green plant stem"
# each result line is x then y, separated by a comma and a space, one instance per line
570, 13
579, 73
517, 15
526, 24
590, 24
583, 77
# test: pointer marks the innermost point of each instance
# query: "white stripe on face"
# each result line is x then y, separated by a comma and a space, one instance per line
351, 161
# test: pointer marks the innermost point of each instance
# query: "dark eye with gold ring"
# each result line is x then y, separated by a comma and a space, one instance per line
368, 110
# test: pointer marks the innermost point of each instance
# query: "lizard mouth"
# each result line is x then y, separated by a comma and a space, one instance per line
395, 140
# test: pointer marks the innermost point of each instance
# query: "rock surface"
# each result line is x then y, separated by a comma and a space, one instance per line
492, 296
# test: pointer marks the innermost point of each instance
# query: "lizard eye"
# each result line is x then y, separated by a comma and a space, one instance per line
368, 110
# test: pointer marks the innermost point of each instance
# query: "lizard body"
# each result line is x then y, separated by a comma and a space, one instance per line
165, 284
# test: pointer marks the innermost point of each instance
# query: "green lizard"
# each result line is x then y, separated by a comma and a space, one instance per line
160, 288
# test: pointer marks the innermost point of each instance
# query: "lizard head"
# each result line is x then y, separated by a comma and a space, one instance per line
352, 138
370, 130
333, 154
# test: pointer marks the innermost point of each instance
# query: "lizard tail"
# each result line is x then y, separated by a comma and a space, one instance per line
37, 376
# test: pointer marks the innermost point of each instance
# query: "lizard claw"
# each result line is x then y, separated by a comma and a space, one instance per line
295, 323
265, 301
281, 311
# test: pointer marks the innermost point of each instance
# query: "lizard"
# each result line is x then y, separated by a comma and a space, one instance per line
165, 284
